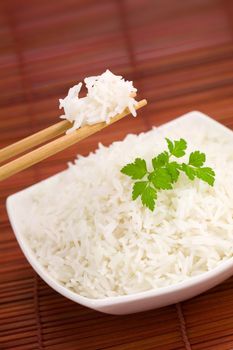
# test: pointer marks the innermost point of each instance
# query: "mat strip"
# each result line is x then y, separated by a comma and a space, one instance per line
183, 326
37, 312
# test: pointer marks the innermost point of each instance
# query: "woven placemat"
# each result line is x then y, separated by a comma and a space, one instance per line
180, 56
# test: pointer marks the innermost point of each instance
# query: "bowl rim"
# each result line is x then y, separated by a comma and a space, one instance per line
121, 299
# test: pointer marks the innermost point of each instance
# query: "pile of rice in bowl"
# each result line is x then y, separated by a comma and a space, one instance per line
90, 236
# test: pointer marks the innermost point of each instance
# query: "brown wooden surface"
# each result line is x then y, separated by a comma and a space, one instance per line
180, 55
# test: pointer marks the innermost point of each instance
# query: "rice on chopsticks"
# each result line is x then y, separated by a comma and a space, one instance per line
107, 95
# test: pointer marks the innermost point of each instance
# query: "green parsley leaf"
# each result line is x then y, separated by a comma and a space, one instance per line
149, 197
165, 172
206, 174
136, 170
160, 160
170, 145
189, 171
138, 189
179, 148
161, 179
173, 170
197, 159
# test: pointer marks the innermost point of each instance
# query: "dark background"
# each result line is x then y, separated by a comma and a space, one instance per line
180, 56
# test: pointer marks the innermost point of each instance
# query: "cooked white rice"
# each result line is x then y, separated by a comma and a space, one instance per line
92, 238
107, 95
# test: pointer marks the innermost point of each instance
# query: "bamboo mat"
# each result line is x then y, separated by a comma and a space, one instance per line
180, 55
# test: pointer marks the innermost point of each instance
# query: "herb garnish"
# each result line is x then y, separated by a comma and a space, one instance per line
166, 172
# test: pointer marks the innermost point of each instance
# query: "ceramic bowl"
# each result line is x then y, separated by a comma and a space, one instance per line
136, 302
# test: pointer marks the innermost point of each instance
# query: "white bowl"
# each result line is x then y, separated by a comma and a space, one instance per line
136, 302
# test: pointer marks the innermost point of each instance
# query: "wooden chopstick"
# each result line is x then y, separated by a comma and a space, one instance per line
34, 140
57, 145
37, 139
